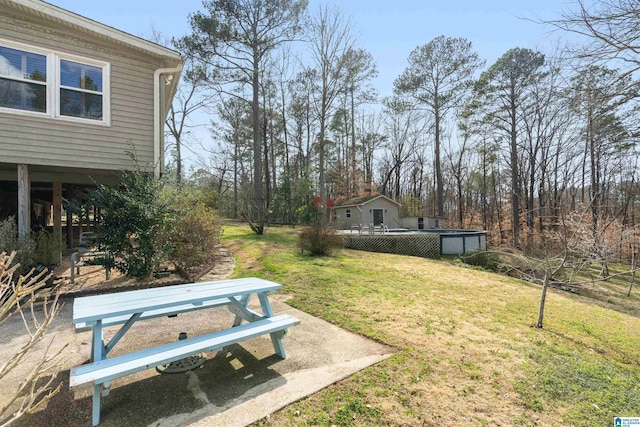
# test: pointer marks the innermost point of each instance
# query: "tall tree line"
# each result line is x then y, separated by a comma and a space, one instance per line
512, 147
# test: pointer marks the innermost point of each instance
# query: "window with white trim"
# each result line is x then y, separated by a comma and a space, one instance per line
23, 80
47, 83
81, 90
348, 213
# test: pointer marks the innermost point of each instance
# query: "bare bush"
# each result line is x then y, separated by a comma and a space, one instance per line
319, 240
23, 298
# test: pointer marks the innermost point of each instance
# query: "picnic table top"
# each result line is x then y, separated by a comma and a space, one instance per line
97, 307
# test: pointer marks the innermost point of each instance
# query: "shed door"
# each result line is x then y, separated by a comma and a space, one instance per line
377, 217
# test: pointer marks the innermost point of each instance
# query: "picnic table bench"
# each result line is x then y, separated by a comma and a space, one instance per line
125, 308
86, 250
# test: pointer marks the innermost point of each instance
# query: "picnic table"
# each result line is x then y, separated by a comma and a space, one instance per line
123, 309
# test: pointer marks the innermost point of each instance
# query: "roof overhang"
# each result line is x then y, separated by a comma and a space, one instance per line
49, 12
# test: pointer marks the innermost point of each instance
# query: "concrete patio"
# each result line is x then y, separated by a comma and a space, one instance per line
234, 387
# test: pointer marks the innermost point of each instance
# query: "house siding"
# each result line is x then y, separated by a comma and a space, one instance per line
49, 141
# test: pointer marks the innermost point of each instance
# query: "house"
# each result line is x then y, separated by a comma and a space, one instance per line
366, 210
75, 96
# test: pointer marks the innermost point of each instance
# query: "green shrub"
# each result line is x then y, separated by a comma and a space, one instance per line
145, 221
25, 248
132, 217
192, 230
47, 247
306, 214
8, 235
319, 240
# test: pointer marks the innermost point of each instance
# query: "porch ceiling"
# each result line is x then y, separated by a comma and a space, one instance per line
9, 172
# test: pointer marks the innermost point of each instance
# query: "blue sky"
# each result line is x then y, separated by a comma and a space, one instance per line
388, 29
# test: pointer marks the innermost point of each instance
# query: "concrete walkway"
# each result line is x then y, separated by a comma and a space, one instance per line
234, 387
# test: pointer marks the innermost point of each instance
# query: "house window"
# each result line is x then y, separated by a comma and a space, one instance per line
23, 80
347, 213
42, 82
81, 90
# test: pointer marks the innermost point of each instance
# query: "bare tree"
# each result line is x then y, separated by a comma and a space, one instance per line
331, 39
599, 95
233, 129
612, 28
233, 39
504, 87
405, 127
437, 79
19, 298
190, 97
361, 69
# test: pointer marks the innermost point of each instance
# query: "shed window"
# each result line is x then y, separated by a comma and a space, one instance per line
43, 82
347, 213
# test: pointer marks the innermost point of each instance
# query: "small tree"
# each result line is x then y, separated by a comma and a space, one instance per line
132, 217
559, 268
17, 298
9, 242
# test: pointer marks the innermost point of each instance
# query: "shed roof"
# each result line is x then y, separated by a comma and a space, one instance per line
360, 201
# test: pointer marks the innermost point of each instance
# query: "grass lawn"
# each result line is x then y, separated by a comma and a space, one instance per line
467, 353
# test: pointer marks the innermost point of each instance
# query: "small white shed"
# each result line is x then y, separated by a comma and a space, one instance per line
367, 210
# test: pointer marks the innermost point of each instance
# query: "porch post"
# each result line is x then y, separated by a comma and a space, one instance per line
57, 208
70, 196
24, 201
57, 213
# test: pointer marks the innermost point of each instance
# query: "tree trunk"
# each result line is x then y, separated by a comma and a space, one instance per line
515, 183
257, 219
178, 161
354, 180
634, 262
439, 184
543, 297
235, 174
